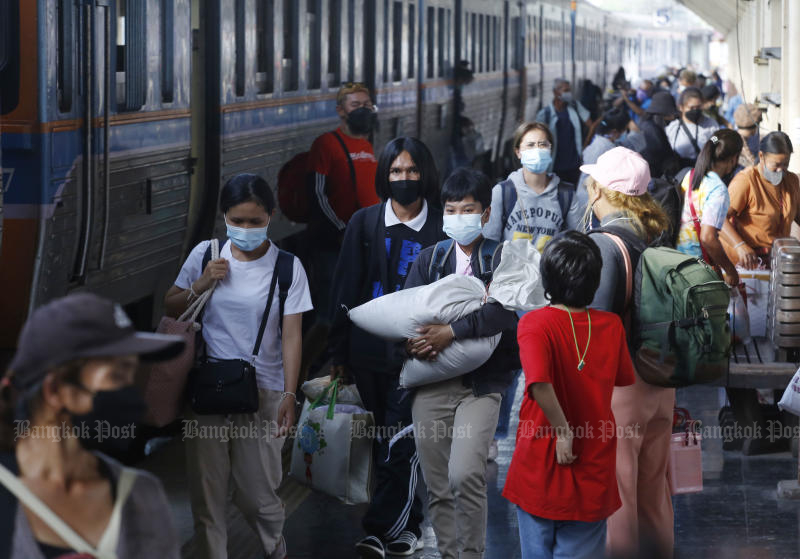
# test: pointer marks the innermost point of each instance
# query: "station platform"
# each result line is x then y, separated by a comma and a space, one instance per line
737, 516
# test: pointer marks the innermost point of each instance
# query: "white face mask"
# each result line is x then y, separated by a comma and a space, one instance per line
462, 228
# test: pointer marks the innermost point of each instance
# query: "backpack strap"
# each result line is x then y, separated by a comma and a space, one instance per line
566, 192
284, 267
441, 251
350, 164
692, 139
509, 200
486, 253
626, 258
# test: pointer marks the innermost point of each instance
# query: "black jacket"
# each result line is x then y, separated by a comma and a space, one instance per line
362, 261
491, 319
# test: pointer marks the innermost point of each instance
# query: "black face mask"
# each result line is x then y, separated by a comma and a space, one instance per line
405, 192
694, 115
110, 426
361, 120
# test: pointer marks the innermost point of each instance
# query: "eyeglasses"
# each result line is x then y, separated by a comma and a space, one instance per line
542, 145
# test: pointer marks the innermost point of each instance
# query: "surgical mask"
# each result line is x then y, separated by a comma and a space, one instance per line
110, 426
642, 95
536, 160
463, 228
774, 177
694, 115
247, 239
361, 120
405, 192
566, 97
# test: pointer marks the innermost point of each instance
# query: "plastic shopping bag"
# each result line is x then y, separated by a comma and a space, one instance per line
517, 282
740, 319
332, 451
790, 401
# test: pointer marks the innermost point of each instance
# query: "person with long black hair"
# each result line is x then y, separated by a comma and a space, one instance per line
706, 203
658, 153
233, 320
380, 245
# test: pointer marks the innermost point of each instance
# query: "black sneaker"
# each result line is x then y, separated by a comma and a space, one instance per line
370, 548
407, 543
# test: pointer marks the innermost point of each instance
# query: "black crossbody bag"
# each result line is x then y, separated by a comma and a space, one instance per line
223, 386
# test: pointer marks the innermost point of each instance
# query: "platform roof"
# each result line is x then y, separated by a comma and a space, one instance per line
719, 14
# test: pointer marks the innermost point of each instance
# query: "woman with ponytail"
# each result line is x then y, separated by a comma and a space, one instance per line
617, 188
706, 202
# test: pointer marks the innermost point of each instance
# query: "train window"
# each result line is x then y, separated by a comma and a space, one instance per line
334, 41
534, 37
167, 50
473, 39
481, 43
496, 54
9, 56
131, 70
240, 44
430, 25
351, 40
441, 44
65, 45
397, 42
313, 47
412, 34
291, 60
515, 44
265, 45
448, 34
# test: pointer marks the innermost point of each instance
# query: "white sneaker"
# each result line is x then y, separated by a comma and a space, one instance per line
492, 451
407, 543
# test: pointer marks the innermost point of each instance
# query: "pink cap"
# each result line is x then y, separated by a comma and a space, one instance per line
622, 170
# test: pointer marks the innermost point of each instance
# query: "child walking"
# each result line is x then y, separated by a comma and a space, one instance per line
562, 475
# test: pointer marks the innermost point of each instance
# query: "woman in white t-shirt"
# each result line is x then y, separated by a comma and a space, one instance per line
243, 448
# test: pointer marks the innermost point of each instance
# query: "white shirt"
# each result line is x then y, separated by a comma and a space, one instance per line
233, 314
390, 218
463, 262
682, 144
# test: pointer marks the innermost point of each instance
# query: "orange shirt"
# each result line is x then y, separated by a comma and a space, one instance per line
762, 212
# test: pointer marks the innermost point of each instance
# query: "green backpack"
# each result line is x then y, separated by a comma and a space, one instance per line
677, 309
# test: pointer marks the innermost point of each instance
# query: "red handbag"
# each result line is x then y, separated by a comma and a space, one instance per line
685, 469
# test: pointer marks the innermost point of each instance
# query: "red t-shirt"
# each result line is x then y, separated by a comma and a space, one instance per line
327, 158
586, 490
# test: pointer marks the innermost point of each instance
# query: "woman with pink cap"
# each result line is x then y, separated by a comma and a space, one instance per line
618, 197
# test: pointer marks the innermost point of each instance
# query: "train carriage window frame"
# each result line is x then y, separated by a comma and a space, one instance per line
290, 59
131, 55
334, 43
472, 42
65, 51
167, 51
313, 44
265, 46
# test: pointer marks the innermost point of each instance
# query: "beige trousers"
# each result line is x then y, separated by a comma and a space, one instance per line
453, 430
645, 519
242, 451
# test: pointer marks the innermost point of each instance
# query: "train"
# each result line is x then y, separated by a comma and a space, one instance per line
120, 119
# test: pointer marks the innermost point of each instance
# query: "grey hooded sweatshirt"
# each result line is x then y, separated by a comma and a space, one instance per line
534, 216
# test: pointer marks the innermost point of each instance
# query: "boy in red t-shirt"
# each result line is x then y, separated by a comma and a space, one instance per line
563, 473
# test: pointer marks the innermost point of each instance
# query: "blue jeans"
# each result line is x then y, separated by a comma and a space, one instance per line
505, 409
540, 538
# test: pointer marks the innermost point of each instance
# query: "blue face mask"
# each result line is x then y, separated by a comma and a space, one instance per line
536, 160
462, 228
247, 239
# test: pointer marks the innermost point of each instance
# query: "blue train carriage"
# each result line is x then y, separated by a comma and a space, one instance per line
96, 152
